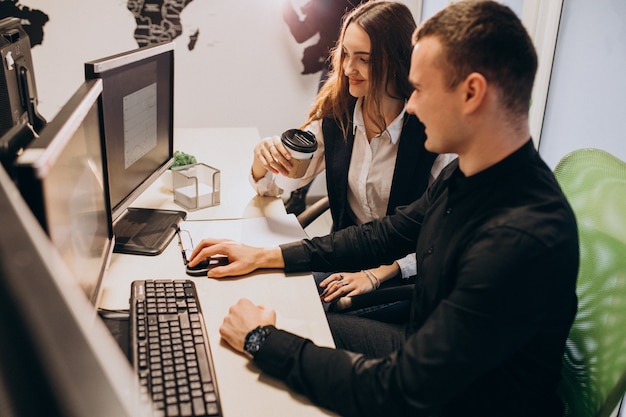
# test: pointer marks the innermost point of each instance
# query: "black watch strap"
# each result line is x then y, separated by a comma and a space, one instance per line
255, 339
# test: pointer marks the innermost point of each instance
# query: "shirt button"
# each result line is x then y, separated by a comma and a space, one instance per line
449, 210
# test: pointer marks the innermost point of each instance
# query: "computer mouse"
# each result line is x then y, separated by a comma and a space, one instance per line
203, 267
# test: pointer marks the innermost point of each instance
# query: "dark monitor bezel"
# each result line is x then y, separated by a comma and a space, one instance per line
109, 67
33, 166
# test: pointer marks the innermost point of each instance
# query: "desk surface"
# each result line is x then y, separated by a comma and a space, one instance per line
243, 389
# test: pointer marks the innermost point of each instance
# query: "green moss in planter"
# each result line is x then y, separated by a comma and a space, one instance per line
182, 158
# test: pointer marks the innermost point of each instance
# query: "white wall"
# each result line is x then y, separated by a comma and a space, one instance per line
245, 68
73, 35
587, 96
243, 71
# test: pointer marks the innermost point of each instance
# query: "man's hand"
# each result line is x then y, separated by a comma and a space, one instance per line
243, 317
242, 259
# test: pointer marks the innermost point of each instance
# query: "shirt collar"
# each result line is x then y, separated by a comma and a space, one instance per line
502, 169
393, 130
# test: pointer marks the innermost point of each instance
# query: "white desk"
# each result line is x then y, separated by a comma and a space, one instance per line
244, 391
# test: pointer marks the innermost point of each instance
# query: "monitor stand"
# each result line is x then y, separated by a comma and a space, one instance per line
143, 231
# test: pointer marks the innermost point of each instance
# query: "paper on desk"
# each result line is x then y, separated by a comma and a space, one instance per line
253, 231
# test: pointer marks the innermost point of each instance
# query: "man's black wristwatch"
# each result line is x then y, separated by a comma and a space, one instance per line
255, 338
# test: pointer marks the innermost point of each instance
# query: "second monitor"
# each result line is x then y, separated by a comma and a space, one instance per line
60, 176
138, 122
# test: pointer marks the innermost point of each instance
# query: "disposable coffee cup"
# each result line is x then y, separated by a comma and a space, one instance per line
301, 145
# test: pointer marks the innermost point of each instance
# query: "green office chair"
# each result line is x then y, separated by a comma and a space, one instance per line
594, 363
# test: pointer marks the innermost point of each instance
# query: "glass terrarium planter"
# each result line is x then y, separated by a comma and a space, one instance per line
196, 186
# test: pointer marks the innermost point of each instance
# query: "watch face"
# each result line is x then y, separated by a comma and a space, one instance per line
255, 339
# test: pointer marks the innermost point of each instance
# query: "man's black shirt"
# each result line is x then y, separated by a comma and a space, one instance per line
495, 297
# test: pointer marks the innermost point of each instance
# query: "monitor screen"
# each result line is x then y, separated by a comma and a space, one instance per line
61, 176
138, 117
18, 93
57, 358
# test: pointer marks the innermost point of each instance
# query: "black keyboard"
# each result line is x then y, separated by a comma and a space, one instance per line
170, 349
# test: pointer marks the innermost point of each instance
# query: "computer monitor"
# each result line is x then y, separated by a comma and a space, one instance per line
18, 92
61, 177
138, 118
19, 118
56, 356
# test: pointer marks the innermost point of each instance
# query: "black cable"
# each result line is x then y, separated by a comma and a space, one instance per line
114, 314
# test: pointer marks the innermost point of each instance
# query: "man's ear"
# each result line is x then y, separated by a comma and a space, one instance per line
475, 90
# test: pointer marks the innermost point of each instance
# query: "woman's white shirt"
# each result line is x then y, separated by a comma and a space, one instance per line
369, 176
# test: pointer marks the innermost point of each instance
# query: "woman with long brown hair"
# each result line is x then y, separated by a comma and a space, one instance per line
372, 150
